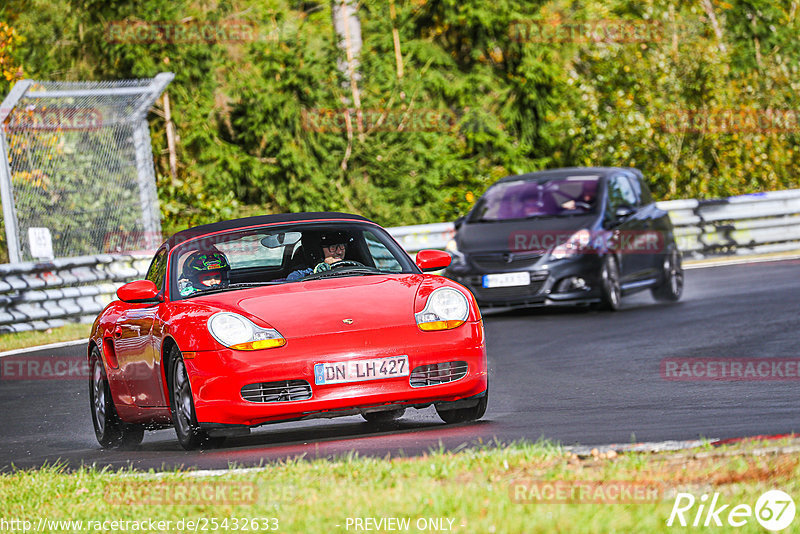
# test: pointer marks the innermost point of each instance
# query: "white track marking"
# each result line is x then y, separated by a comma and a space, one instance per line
43, 347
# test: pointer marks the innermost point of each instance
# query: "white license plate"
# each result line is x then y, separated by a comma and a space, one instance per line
507, 279
360, 370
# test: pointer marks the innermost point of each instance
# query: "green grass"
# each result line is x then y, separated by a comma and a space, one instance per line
472, 488
21, 340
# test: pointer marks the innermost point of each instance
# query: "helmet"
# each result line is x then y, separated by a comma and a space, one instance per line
314, 241
333, 238
202, 268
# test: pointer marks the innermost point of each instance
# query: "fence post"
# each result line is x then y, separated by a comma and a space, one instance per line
6, 185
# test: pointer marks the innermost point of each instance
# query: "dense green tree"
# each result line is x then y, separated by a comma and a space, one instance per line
268, 123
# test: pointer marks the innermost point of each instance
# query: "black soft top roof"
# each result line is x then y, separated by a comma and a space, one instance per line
258, 220
572, 171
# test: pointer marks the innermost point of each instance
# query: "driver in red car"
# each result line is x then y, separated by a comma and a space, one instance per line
334, 248
203, 270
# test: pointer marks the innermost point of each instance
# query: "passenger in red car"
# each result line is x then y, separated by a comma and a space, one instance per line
204, 270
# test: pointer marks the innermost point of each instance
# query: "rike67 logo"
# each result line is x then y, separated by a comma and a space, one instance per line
774, 511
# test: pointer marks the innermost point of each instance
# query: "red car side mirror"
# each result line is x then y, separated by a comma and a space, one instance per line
432, 260
138, 292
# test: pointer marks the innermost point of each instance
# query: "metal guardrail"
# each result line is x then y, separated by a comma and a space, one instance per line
37, 296
416, 238
748, 224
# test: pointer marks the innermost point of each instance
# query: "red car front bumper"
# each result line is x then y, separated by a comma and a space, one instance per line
217, 377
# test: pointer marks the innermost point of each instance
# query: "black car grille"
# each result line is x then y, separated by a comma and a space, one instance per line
280, 391
506, 261
438, 373
475, 284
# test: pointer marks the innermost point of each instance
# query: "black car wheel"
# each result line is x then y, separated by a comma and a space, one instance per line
462, 415
184, 418
110, 430
609, 277
386, 416
671, 288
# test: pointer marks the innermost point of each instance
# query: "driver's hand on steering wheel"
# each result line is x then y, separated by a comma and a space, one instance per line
321, 267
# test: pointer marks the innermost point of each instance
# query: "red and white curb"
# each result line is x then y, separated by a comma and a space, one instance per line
673, 445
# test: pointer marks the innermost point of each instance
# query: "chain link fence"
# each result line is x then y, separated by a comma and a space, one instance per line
77, 167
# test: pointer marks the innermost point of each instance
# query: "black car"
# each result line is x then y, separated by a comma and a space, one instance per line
566, 236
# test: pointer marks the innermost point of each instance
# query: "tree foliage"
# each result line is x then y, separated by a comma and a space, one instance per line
506, 87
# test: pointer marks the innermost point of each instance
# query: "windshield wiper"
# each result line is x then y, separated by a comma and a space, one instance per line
342, 272
574, 214
230, 287
537, 216
240, 285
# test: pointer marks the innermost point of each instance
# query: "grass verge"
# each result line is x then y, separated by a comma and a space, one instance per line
21, 340
475, 490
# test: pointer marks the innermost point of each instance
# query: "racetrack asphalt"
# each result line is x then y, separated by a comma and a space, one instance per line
576, 377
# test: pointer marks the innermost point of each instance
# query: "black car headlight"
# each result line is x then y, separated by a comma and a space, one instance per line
573, 246
458, 259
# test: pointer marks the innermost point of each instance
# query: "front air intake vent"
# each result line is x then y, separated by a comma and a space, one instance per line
438, 373
280, 391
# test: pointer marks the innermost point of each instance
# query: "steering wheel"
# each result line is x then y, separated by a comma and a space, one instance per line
582, 204
346, 263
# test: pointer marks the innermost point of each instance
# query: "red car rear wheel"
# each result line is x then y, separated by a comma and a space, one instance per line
110, 430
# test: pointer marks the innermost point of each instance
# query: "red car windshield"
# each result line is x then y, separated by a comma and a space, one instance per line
286, 254
525, 199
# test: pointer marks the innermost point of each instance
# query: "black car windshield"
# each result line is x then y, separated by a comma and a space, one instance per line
542, 197
241, 259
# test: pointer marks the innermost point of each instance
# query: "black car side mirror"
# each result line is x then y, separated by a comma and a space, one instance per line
458, 222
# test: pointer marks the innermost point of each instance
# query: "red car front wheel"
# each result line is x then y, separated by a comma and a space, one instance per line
463, 415
184, 417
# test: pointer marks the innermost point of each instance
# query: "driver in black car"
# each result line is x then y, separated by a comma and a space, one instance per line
585, 202
334, 248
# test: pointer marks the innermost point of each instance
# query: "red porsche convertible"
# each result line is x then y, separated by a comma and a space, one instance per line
279, 318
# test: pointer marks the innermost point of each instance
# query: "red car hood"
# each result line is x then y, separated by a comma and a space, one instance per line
315, 307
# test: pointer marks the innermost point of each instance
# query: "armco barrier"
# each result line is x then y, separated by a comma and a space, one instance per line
747, 224
416, 238
36, 296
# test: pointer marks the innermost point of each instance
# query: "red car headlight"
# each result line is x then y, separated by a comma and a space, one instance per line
446, 308
237, 332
